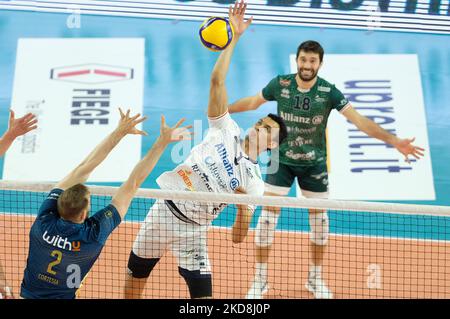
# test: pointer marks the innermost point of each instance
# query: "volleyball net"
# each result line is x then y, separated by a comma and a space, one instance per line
375, 250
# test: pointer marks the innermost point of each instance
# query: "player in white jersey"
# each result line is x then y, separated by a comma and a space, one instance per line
221, 163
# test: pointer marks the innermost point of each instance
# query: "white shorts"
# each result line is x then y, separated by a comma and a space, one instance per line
162, 231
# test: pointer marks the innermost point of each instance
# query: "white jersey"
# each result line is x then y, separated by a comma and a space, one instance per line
219, 165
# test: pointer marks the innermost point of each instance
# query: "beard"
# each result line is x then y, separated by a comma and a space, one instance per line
307, 78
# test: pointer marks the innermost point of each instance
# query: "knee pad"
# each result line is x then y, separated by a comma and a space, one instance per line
319, 224
266, 228
140, 267
200, 285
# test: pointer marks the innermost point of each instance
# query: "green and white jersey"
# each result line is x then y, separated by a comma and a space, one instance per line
306, 115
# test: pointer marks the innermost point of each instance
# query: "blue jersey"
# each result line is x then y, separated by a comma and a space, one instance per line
61, 253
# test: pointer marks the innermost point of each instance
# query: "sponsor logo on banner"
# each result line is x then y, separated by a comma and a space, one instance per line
91, 73
362, 167
76, 105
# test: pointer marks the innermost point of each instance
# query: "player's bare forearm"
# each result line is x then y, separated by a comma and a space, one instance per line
218, 100
16, 127
99, 153
369, 127
374, 130
404, 146
125, 194
81, 173
5, 142
222, 65
145, 166
242, 224
248, 103
127, 125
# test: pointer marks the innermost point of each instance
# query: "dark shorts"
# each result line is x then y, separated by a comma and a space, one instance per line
310, 178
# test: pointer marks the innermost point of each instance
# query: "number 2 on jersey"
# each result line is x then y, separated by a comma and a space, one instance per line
58, 255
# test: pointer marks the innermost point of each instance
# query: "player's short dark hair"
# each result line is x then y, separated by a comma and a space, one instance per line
73, 201
283, 129
311, 46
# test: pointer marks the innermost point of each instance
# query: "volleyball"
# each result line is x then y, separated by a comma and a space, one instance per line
216, 33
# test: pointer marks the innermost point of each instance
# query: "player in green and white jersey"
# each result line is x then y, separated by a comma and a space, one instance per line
305, 102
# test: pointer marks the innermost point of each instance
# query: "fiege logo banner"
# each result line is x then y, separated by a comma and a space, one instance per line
75, 86
387, 89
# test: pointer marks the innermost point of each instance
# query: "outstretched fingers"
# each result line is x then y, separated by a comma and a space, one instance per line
31, 123
139, 132
28, 117
249, 21
182, 134
243, 8
135, 117
179, 123
31, 128
419, 150
142, 119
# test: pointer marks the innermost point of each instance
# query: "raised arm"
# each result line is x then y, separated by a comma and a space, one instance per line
124, 195
248, 103
16, 128
372, 129
242, 223
81, 173
243, 218
218, 101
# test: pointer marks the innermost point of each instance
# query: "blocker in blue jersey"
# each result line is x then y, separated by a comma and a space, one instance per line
64, 241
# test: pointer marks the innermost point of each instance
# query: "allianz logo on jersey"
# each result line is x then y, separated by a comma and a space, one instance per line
224, 156
316, 120
63, 243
